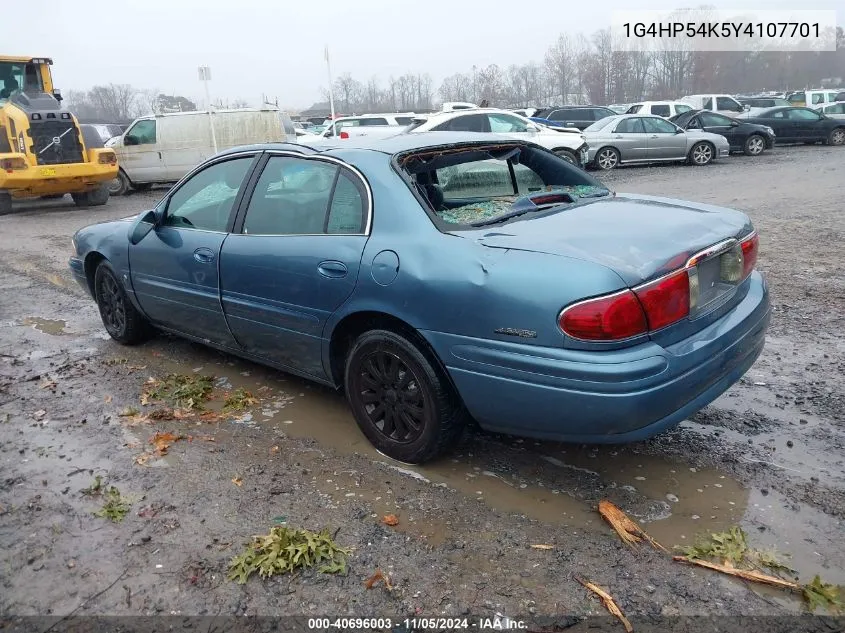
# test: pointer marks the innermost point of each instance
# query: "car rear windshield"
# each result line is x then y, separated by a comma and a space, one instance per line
485, 184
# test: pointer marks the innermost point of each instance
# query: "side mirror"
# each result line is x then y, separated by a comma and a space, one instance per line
746, 108
143, 225
734, 123
130, 140
57, 94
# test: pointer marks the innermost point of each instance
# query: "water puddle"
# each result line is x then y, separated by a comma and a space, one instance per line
54, 327
556, 484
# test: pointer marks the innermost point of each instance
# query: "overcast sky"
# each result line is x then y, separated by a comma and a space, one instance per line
275, 47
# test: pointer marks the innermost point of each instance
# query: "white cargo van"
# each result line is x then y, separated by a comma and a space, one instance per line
165, 147
723, 104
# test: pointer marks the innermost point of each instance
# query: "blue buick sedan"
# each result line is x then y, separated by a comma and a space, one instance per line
441, 277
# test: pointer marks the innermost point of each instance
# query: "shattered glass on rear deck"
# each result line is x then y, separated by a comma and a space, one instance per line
481, 211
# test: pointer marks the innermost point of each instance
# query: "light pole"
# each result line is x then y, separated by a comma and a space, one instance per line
474, 84
205, 77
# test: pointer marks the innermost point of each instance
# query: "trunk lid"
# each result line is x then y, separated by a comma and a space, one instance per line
638, 237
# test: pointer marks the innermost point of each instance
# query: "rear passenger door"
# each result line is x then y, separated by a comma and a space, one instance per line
630, 139
293, 258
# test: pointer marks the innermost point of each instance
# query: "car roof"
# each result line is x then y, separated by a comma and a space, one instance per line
391, 145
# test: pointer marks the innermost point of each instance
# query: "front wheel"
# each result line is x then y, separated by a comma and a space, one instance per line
701, 154
837, 137
607, 158
568, 156
754, 145
5, 203
120, 184
122, 321
402, 401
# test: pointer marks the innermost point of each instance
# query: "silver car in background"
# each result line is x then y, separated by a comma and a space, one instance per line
633, 138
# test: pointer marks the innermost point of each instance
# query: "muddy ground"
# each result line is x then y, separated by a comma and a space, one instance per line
768, 455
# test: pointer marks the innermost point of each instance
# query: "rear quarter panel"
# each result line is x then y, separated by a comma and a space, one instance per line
448, 283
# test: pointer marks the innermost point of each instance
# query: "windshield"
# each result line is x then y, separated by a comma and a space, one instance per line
19, 76
600, 124
483, 185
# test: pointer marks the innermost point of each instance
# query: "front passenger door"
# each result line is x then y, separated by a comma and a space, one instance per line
140, 156
664, 142
174, 269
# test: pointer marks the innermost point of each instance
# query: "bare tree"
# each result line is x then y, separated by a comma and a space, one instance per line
116, 102
350, 92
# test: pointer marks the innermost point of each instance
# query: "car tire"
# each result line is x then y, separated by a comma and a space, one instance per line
568, 156
5, 203
401, 398
837, 137
53, 196
120, 185
142, 186
94, 198
754, 145
607, 158
701, 154
122, 321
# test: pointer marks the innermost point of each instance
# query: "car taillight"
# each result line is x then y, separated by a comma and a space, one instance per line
665, 300
344, 135
108, 158
11, 164
611, 318
750, 246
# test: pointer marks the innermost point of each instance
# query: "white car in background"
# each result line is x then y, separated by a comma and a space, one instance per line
366, 125
833, 110
666, 109
568, 143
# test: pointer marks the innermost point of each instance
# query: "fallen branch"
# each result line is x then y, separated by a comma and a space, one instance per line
608, 602
628, 530
754, 576
86, 601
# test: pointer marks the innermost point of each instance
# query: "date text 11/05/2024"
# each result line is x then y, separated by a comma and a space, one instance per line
495, 623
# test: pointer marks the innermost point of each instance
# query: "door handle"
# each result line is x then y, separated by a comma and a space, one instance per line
332, 269
204, 255
654, 136
618, 136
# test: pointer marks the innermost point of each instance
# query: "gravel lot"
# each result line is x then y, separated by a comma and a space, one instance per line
768, 455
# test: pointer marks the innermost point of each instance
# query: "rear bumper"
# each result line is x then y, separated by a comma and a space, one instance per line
604, 397
45, 180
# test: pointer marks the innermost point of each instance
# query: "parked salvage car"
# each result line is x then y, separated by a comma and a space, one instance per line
549, 308
801, 125
833, 110
750, 138
580, 117
568, 143
666, 109
631, 138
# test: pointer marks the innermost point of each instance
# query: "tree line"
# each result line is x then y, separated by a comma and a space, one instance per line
582, 69
121, 103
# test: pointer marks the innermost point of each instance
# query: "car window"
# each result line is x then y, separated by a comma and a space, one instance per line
205, 200
711, 119
780, 114
143, 132
658, 126
680, 107
634, 125
466, 123
818, 98
404, 120
726, 103
503, 123
801, 114
836, 108
295, 196
372, 121
707, 104
634, 109
694, 123
468, 186
661, 109
798, 97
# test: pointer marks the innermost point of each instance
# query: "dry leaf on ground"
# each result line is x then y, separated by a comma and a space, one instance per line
163, 441
390, 519
627, 529
542, 546
238, 481
608, 602
379, 575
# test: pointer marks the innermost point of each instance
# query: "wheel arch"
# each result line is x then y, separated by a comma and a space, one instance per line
609, 146
91, 262
352, 325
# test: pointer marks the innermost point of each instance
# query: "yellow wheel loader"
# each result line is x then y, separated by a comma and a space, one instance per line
42, 149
